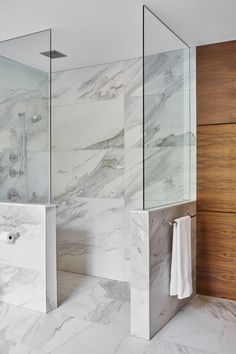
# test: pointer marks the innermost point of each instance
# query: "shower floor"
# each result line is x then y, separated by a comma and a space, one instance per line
93, 318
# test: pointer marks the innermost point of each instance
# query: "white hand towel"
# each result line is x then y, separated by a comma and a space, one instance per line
181, 264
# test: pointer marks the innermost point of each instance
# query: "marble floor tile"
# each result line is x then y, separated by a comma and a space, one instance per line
131, 345
105, 340
213, 308
93, 318
200, 330
96, 300
17, 348
162, 347
42, 332
74, 283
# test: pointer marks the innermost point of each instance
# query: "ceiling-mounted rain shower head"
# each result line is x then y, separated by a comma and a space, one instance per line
53, 54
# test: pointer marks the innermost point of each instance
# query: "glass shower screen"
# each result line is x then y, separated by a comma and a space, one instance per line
25, 78
166, 118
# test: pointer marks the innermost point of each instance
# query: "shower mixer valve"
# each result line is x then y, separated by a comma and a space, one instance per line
13, 172
12, 237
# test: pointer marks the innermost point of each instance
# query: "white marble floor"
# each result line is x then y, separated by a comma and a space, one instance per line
93, 318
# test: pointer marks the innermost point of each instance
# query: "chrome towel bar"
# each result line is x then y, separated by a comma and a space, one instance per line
174, 222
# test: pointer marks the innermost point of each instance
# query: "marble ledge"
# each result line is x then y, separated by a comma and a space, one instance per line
43, 205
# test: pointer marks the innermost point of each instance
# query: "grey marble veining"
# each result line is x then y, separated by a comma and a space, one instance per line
28, 265
21, 286
94, 220
160, 247
95, 300
94, 125
116, 290
139, 228
164, 121
106, 329
166, 73
98, 171
165, 347
140, 312
88, 170
133, 80
164, 176
89, 230
88, 173
134, 176
23, 89
133, 110
160, 239
151, 244
214, 308
99, 82
169, 131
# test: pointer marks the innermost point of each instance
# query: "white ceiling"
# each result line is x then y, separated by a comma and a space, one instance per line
98, 31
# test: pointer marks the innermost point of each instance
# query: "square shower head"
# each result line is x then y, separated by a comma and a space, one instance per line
53, 54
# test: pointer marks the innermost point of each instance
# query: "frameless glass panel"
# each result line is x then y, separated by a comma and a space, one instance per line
25, 119
167, 136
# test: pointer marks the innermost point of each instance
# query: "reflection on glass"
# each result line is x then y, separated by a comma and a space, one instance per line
25, 119
167, 131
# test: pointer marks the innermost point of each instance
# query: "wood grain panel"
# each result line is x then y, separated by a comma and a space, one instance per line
216, 83
216, 254
216, 167
216, 170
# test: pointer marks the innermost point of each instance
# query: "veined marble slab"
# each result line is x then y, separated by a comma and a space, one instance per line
23, 90
88, 174
133, 110
93, 125
88, 170
88, 84
134, 176
133, 78
28, 265
166, 176
97, 160
91, 237
151, 240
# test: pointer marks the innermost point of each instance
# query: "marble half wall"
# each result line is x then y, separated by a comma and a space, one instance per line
151, 244
28, 265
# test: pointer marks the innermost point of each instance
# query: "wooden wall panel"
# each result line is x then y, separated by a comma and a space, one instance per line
216, 83
216, 254
216, 170
216, 167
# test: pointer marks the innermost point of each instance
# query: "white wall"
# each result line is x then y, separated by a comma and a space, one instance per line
98, 31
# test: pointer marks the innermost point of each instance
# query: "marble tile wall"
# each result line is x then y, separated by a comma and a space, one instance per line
28, 265
97, 157
88, 162
167, 126
151, 243
23, 89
